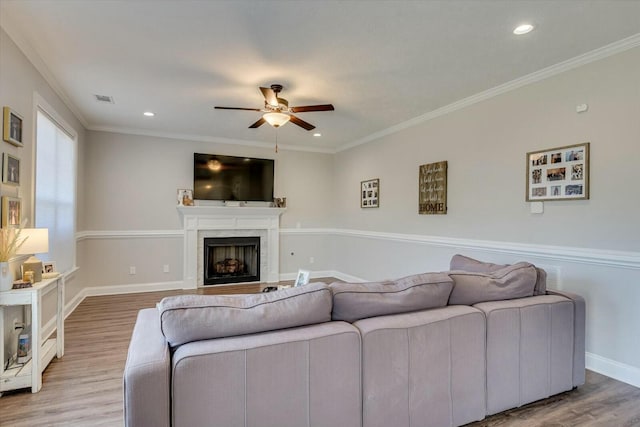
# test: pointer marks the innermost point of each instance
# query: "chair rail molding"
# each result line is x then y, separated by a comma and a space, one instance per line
592, 256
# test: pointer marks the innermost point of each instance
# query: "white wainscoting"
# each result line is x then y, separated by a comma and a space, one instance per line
607, 279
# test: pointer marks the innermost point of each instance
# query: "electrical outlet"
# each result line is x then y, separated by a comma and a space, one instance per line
311, 260
165, 268
132, 270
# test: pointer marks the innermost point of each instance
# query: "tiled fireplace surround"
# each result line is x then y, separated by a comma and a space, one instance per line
200, 222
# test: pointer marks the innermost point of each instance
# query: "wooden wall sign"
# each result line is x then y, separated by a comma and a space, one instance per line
432, 184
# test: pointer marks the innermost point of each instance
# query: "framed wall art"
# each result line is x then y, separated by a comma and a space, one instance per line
11, 212
10, 169
558, 173
432, 189
12, 127
370, 193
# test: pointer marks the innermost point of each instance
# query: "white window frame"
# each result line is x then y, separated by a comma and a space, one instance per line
40, 104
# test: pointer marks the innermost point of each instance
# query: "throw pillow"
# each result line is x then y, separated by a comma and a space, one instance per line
187, 318
465, 263
514, 281
355, 301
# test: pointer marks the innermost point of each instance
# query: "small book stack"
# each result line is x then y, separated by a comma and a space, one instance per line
20, 284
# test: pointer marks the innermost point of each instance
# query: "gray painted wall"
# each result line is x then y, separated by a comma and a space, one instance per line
132, 182
127, 185
485, 146
18, 81
586, 244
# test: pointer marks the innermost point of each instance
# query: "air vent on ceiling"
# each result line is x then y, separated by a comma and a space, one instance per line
104, 98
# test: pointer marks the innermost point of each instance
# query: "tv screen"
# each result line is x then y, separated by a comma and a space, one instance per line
232, 178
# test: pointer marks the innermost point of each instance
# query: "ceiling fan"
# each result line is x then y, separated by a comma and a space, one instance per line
277, 111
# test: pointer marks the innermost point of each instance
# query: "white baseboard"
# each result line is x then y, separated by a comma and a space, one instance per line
610, 368
133, 288
74, 303
111, 290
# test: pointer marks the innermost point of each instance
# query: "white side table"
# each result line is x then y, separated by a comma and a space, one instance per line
30, 374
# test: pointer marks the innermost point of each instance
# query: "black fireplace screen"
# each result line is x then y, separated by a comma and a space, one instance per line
231, 260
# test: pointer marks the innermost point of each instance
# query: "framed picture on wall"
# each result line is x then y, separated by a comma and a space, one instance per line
12, 127
370, 193
558, 173
11, 212
10, 169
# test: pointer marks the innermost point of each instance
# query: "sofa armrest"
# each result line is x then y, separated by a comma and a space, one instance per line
579, 334
147, 374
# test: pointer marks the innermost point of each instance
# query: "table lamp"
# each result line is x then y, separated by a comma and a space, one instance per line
36, 241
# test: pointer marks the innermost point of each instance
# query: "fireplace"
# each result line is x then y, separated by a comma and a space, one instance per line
231, 260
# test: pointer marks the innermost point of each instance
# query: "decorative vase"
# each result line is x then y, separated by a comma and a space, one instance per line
6, 278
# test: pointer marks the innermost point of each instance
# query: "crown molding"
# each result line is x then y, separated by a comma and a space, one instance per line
603, 52
36, 60
214, 139
580, 60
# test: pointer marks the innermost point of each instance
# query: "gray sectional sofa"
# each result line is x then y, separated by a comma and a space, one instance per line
433, 349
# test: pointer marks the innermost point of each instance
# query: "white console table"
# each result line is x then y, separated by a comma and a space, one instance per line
43, 349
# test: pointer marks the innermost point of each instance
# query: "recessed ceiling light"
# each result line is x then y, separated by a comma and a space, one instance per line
317, 134
149, 114
523, 29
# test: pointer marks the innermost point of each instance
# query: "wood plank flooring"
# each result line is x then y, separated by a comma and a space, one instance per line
84, 388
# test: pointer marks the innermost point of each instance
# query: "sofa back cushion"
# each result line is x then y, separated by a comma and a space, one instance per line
354, 301
464, 263
187, 318
513, 281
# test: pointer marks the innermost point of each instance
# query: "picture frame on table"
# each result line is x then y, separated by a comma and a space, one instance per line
11, 215
370, 193
185, 197
10, 169
560, 173
49, 267
12, 127
302, 278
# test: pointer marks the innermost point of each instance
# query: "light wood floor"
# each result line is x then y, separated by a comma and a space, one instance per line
84, 388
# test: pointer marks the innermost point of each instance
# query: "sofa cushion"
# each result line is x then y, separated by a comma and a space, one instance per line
187, 318
465, 263
514, 281
354, 301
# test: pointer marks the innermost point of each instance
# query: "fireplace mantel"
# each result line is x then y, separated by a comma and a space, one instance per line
196, 219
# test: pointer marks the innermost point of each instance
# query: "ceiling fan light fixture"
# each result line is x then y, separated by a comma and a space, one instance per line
276, 119
523, 29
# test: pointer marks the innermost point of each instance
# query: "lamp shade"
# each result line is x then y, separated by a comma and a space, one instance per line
276, 119
36, 241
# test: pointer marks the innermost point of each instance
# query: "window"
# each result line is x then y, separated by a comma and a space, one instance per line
55, 188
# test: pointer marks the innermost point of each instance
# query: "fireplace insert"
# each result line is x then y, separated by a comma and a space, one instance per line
231, 260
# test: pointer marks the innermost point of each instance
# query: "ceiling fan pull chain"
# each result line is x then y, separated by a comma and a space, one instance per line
276, 140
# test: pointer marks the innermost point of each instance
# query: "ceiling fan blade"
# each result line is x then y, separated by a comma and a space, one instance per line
301, 123
323, 107
269, 96
237, 108
258, 123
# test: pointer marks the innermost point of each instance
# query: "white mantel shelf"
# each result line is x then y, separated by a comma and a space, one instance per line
206, 218
230, 210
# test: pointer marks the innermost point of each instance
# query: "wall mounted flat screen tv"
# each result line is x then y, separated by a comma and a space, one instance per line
243, 179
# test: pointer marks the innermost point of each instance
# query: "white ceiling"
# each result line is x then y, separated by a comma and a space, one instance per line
380, 63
